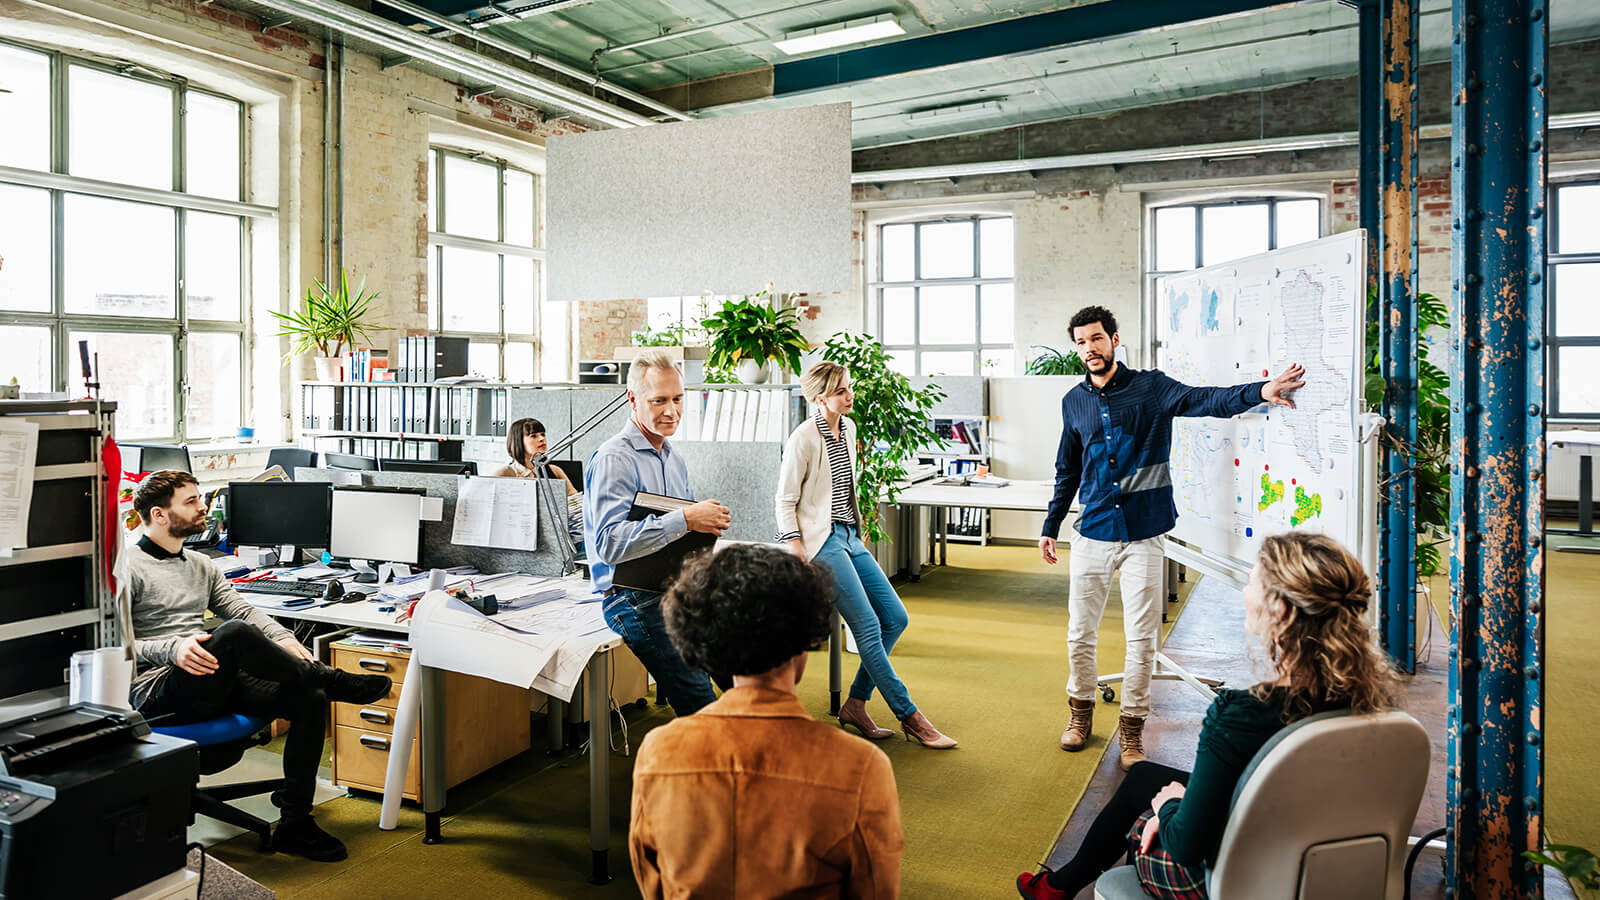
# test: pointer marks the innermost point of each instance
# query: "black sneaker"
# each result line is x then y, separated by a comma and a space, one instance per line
346, 687
301, 836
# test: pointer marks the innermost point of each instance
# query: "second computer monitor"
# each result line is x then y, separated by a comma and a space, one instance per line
277, 513
349, 461
431, 466
376, 524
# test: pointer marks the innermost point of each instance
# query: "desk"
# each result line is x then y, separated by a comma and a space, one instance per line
1020, 495
1586, 446
365, 615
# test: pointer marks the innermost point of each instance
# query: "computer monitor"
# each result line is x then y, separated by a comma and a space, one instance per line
431, 466
376, 524
349, 461
161, 457
278, 513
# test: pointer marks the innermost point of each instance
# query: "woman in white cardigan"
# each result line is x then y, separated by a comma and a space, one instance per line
820, 520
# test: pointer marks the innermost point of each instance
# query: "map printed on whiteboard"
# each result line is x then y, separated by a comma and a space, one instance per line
1273, 469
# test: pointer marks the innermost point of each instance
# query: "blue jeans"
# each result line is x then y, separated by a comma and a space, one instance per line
868, 604
636, 615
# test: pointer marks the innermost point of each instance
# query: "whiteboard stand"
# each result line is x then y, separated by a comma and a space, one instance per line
1165, 668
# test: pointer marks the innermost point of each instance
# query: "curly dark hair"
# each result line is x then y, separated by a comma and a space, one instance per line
747, 609
1090, 315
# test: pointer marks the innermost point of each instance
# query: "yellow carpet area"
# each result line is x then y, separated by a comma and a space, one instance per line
1572, 690
985, 660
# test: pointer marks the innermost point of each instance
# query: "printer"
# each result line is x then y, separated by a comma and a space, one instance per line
92, 804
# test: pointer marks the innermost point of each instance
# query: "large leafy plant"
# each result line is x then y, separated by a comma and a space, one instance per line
329, 320
1580, 866
676, 334
893, 421
1055, 362
1431, 476
752, 328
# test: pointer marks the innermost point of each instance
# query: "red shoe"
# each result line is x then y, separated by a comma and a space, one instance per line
1033, 886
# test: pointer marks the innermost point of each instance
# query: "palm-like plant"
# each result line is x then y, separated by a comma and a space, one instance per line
329, 320
750, 328
1055, 362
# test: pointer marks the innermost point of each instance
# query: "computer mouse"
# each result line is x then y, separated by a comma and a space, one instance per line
332, 592
353, 597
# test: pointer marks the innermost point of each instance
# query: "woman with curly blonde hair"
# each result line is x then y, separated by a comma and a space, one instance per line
1307, 600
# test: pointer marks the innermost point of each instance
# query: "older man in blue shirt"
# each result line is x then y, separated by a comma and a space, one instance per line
639, 458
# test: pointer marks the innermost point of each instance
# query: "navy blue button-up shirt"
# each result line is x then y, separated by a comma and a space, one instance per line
1115, 446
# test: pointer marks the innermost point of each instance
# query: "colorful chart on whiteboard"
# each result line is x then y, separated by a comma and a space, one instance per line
1272, 469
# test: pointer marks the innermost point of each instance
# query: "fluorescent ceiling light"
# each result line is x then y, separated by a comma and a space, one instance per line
956, 110
838, 34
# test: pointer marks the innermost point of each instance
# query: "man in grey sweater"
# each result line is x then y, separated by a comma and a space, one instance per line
248, 664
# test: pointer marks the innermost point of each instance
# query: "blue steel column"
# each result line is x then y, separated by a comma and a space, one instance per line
1495, 780
1397, 330
1370, 71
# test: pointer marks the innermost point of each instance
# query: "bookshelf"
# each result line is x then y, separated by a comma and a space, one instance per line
962, 420
408, 420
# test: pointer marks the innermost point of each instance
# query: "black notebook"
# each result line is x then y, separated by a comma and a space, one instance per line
657, 571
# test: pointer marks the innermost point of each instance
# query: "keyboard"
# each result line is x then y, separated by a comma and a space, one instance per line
283, 588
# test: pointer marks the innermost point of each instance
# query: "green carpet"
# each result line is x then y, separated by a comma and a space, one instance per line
985, 660
1572, 692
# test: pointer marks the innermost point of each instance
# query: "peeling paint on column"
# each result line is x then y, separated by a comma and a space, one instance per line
1494, 784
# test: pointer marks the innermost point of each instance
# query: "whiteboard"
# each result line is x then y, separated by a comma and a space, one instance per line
1273, 469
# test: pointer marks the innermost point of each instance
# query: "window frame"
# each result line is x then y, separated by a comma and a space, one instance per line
1554, 342
439, 239
58, 183
877, 285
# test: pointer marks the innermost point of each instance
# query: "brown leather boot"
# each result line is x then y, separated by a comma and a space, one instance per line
1131, 732
1080, 726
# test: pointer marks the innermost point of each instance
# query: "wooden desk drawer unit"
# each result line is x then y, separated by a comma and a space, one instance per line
486, 723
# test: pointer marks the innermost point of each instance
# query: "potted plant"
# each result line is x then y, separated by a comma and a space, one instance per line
893, 422
1055, 362
328, 322
748, 333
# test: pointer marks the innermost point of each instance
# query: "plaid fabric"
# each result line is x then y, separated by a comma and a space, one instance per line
1160, 875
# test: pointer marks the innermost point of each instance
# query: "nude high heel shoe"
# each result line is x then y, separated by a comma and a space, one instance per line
864, 724
916, 727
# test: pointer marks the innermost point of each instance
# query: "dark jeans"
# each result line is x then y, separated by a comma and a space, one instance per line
636, 615
1107, 838
254, 676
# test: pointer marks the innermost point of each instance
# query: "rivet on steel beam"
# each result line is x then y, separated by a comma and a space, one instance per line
1469, 600
1534, 542
1473, 84
1470, 729
1474, 214
1472, 471
1455, 470
1535, 146
1537, 212
1533, 409
1472, 149
1535, 606
1533, 277
1472, 21
1472, 409
1470, 665
1536, 15
1530, 802
1533, 740
1472, 537
1472, 278
1533, 344
1536, 80
1476, 343
1532, 672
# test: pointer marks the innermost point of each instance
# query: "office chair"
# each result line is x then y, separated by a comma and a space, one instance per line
1321, 813
223, 741
291, 458
158, 457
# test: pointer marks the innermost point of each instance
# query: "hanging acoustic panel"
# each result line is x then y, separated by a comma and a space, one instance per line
716, 205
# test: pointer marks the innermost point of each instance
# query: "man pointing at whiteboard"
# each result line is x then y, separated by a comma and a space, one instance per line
1116, 438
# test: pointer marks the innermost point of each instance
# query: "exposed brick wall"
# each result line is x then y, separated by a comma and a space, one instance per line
1433, 227
604, 325
1073, 249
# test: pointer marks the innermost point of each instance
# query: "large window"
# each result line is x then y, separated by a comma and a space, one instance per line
945, 297
484, 268
1574, 317
1207, 234
121, 224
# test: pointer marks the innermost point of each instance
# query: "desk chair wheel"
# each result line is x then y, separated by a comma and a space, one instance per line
1107, 694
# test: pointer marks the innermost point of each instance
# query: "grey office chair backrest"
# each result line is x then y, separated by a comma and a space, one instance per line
1324, 809
291, 458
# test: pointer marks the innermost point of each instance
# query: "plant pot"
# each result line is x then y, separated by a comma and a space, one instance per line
752, 372
329, 368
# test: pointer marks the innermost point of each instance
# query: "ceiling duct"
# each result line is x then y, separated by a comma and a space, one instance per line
474, 67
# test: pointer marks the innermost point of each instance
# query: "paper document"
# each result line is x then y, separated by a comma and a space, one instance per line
19, 447
448, 634
497, 512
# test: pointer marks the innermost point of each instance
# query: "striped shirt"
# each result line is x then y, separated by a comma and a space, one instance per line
844, 482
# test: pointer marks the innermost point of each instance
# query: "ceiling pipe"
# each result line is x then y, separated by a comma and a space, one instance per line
475, 67
433, 18
702, 29
1166, 154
